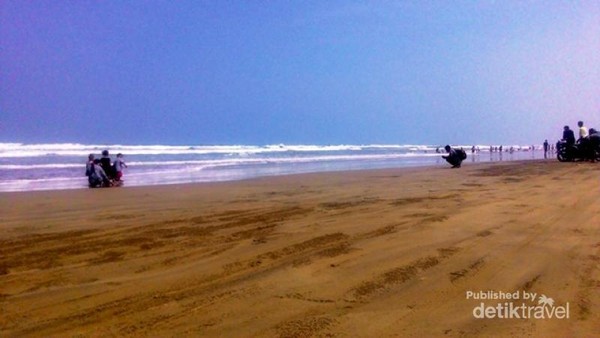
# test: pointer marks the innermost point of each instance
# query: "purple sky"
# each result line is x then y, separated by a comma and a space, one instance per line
321, 72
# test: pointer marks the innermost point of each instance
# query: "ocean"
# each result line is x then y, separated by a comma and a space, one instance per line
28, 167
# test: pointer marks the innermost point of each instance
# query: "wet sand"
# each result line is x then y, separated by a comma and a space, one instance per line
368, 253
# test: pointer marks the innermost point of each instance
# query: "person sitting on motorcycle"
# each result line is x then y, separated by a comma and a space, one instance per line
583, 132
566, 150
568, 136
587, 151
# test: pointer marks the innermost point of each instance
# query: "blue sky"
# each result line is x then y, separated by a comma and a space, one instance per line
297, 72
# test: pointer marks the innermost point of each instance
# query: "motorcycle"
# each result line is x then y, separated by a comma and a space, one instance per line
573, 152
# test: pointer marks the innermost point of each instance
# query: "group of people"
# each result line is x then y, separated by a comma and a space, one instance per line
588, 141
103, 172
548, 148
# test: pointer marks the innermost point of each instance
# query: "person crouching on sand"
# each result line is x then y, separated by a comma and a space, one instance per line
454, 157
96, 175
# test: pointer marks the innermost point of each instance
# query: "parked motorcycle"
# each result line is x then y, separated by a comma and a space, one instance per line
573, 152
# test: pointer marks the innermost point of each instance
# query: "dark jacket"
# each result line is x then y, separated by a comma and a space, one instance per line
455, 156
569, 136
96, 176
107, 166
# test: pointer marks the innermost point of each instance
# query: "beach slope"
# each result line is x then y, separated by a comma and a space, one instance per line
374, 253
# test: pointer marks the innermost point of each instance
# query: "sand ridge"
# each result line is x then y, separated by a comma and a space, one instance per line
366, 253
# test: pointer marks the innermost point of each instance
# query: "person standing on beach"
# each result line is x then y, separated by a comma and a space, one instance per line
546, 148
118, 167
106, 165
454, 157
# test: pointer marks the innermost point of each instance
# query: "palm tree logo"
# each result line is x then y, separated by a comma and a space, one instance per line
543, 301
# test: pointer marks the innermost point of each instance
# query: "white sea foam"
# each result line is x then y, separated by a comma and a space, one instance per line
8, 150
227, 162
60, 166
40, 166
15, 150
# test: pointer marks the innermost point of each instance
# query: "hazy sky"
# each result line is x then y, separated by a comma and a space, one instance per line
310, 72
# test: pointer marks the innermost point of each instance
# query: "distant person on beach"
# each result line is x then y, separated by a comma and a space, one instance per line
118, 166
455, 156
106, 164
546, 148
568, 135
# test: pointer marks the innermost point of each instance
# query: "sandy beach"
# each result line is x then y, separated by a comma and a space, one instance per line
375, 253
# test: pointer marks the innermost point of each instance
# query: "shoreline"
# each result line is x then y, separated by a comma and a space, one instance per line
422, 166
377, 252
233, 181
